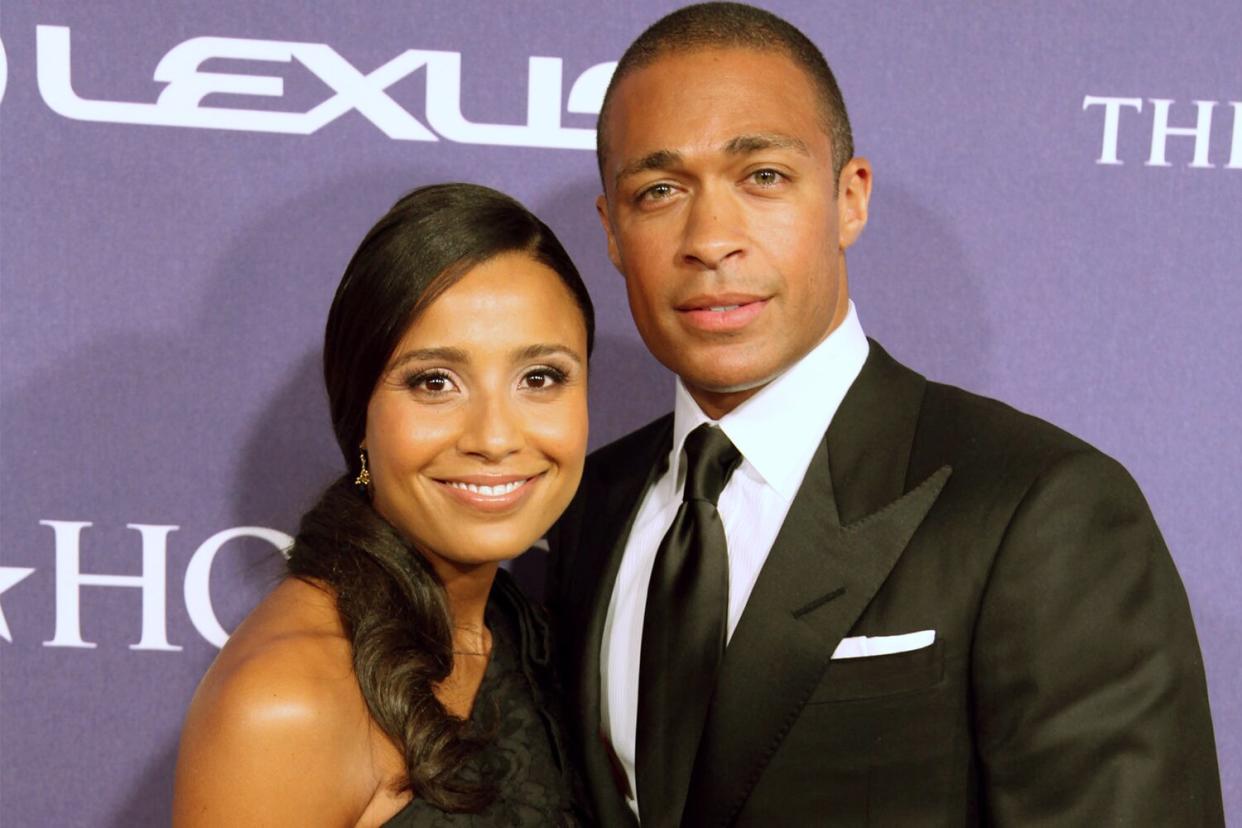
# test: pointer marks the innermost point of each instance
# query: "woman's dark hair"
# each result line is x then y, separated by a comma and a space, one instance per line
392, 605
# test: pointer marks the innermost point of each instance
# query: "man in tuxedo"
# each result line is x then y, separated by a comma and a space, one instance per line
824, 590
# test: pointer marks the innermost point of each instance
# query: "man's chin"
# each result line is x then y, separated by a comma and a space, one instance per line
720, 394
734, 386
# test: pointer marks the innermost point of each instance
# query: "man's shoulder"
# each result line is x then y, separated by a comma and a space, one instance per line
997, 441
953, 422
997, 423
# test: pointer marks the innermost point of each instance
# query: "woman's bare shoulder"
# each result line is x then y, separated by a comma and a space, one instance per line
290, 657
278, 731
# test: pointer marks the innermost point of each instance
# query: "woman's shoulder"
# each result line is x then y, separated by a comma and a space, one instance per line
288, 660
278, 721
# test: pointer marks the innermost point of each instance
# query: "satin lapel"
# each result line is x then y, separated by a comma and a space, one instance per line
871, 436
617, 490
819, 577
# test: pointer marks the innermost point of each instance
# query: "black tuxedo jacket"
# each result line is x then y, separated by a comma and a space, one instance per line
1065, 684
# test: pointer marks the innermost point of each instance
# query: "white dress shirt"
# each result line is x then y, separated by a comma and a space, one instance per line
777, 431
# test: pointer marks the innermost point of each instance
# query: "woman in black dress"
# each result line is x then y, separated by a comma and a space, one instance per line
398, 676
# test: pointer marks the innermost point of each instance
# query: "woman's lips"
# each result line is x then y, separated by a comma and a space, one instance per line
490, 494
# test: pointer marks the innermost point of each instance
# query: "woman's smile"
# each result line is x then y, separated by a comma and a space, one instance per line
491, 493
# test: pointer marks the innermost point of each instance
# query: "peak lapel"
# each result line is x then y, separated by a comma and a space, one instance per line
824, 568
870, 438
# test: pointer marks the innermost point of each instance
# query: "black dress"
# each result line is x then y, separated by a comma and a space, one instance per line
517, 707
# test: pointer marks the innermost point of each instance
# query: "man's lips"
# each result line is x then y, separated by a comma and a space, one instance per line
489, 493
725, 312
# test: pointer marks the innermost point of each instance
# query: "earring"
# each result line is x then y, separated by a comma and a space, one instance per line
363, 481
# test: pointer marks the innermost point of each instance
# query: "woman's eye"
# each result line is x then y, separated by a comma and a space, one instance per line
431, 383
543, 378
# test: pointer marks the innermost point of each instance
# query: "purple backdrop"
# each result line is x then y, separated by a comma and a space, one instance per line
1055, 223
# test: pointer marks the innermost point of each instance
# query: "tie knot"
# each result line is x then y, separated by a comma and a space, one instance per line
710, 458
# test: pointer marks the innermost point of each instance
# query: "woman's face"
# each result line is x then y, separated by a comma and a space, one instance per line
476, 432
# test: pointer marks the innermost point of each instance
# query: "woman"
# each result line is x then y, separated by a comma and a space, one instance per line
398, 677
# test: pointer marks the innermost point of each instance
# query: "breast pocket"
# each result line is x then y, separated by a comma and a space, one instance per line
884, 675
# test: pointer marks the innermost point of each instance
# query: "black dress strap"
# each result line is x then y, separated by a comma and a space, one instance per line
517, 709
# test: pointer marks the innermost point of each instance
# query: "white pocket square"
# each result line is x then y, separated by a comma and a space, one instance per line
862, 646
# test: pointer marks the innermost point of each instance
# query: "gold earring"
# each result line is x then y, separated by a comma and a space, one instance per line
363, 481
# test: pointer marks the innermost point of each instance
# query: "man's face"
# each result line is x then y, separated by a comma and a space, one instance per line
720, 212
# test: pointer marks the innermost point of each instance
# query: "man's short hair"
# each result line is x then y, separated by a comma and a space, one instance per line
736, 25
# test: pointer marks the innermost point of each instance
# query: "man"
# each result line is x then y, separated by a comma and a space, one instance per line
826, 591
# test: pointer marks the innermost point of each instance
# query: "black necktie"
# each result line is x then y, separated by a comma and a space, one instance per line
684, 630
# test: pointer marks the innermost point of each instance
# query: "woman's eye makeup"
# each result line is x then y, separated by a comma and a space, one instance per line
438, 382
544, 376
430, 382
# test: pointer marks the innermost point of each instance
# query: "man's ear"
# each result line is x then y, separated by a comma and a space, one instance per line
853, 196
614, 255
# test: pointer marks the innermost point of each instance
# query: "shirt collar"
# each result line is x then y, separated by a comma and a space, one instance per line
778, 429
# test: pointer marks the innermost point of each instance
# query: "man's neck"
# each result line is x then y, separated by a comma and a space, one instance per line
716, 404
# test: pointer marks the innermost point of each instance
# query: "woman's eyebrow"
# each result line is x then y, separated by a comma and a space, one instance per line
446, 354
545, 350
459, 356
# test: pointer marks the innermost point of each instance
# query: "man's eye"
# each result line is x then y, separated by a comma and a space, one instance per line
766, 178
657, 192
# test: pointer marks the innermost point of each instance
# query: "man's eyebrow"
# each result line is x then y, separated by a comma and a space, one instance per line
545, 350
744, 144
455, 355
658, 160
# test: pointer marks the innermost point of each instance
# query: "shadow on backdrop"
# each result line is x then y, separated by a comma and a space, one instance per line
150, 801
916, 292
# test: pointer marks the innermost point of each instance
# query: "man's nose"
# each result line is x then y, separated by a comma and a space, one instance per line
713, 230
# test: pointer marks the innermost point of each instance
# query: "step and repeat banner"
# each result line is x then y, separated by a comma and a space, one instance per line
1057, 222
